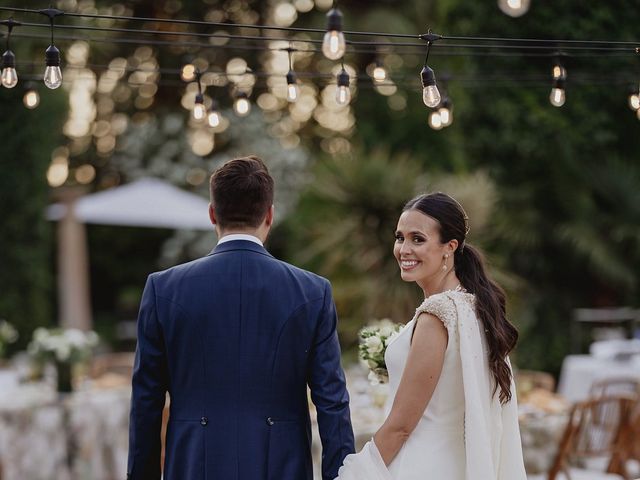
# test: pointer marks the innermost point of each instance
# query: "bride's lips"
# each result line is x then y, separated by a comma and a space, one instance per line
408, 265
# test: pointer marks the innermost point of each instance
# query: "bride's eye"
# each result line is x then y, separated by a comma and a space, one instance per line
398, 237
418, 239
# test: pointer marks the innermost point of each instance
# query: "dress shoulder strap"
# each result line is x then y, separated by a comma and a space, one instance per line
442, 306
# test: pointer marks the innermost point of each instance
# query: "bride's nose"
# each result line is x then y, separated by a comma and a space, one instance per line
405, 248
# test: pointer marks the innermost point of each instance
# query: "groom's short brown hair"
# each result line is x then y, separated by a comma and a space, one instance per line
241, 192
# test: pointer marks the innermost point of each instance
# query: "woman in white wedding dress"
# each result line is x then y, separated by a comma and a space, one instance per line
452, 412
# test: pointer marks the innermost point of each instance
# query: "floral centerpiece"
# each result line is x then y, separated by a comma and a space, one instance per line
64, 348
8, 335
374, 339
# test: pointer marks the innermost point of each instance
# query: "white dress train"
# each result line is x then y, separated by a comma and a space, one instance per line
464, 433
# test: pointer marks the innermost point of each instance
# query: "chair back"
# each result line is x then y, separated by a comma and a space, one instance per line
597, 429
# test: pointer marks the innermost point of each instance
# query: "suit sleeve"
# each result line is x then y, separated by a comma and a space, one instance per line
329, 392
150, 384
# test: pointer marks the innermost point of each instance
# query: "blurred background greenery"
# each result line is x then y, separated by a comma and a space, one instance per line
552, 193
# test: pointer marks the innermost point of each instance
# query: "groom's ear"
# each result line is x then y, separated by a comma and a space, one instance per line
270, 214
212, 214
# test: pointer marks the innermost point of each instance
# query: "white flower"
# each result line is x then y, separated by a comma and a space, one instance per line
63, 352
386, 330
372, 364
374, 345
373, 378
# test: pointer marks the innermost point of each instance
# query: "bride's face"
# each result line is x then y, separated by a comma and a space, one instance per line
417, 248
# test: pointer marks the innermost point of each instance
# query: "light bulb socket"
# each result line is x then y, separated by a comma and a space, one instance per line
240, 95
446, 103
8, 59
291, 78
199, 98
343, 78
334, 20
52, 56
428, 76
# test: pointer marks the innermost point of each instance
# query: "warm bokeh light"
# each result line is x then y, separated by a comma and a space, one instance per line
85, 174
31, 99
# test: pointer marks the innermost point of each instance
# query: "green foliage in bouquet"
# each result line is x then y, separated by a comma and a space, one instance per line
8, 334
374, 339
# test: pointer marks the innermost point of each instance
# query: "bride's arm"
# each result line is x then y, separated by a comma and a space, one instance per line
419, 380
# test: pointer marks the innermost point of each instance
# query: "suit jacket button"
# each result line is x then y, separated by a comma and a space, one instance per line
270, 421
204, 421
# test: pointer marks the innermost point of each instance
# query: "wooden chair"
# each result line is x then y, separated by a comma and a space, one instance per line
598, 429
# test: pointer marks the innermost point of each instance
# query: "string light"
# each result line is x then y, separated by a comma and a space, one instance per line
293, 91
379, 73
435, 120
188, 72
514, 8
334, 44
557, 96
31, 98
214, 118
199, 110
343, 93
430, 93
446, 112
242, 105
9, 77
52, 73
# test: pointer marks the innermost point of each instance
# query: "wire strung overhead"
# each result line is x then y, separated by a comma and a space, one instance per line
333, 45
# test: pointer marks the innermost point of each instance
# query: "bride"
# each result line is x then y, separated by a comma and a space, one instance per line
452, 412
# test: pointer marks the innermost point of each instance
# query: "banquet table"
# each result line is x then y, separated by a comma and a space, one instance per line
579, 372
45, 435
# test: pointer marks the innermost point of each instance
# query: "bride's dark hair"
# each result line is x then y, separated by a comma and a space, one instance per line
469, 267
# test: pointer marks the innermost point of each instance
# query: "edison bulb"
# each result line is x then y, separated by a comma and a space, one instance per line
445, 116
188, 72
559, 72
292, 92
9, 77
52, 77
31, 99
334, 45
431, 96
199, 111
514, 8
379, 74
343, 95
214, 119
634, 101
242, 106
435, 120
557, 97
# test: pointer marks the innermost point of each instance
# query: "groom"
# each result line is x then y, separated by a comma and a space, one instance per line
235, 338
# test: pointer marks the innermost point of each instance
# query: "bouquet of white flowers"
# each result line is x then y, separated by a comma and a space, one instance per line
8, 334
62, 345
374, 339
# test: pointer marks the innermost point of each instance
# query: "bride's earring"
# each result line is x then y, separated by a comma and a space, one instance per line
446, 257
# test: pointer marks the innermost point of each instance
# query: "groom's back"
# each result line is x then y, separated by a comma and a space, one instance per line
238, 327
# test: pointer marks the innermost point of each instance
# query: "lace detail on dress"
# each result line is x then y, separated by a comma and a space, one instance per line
441, 306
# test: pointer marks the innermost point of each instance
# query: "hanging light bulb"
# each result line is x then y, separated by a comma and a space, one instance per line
242, 106
31, 98
343, 94
557, 96
634, 100
9, 74
379, 73
214, 118
514, 8
52, 73
435, 120
188, 72
293, 90
430, 93
198, 109
446, 112
334, 45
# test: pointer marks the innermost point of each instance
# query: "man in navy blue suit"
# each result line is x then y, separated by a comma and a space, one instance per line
235, 338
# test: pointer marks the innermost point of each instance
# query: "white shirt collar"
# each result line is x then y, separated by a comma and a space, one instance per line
240, 236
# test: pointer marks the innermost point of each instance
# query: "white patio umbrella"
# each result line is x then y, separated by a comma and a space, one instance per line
148, 202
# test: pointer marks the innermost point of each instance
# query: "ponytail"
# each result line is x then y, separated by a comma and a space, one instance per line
491, 309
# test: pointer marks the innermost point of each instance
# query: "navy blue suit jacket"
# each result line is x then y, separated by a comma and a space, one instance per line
235, 338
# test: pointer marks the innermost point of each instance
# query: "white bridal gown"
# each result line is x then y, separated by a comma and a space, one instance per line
464, 433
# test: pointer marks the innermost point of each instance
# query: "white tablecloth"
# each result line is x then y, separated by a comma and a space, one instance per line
579, 372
